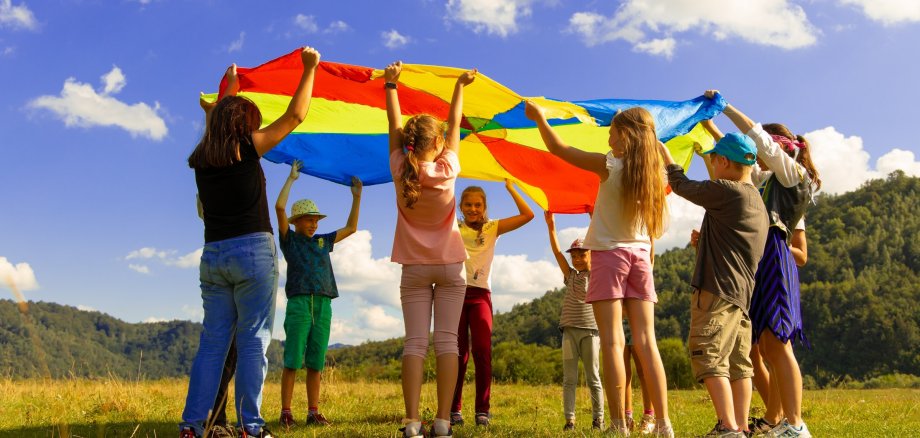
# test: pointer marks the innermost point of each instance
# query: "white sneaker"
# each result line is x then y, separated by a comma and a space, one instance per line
786, 430
647, 425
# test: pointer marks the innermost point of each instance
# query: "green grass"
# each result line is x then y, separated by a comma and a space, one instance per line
117, 408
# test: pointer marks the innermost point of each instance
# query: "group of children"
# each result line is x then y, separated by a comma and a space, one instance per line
745, 286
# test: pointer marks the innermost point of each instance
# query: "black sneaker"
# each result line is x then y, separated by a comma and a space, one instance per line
408, 433
569, 426
187, 432
598, 423
450, 432
264, 433
760, 426
483, 418
456, 419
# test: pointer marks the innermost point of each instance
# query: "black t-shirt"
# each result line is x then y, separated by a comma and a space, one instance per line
233, 197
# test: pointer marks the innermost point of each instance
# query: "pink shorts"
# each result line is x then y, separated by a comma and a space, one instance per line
621, 273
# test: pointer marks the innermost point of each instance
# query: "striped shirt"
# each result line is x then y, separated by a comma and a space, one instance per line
575, 313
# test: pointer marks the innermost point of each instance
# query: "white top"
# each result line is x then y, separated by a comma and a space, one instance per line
788, 172
608, 229
480, 248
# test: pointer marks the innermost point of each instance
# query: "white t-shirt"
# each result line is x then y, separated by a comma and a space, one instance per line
608, 230
480, 248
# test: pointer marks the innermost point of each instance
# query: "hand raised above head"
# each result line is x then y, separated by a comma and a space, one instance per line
295, 169
550, 218
309, 56
392, 71
711, 93
467, 77
356, 186
233, 81
532, 110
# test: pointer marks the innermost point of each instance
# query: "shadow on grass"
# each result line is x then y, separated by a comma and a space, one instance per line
109, 430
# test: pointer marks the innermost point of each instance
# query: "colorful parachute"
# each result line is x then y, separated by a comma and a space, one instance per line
345, 132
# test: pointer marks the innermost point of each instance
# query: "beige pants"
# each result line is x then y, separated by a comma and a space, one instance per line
444, 287
720, 338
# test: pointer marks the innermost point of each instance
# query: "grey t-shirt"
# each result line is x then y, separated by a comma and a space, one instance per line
732, 236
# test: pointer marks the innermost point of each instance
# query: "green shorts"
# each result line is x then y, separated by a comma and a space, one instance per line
307, 321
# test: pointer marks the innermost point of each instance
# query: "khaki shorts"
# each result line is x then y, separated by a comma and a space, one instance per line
720, 338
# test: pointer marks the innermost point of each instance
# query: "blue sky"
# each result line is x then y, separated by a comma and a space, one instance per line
99, 113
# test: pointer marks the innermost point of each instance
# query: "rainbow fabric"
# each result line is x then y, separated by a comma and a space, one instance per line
345, 132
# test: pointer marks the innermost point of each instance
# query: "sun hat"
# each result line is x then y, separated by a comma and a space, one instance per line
579, 243
304, 207
736, 146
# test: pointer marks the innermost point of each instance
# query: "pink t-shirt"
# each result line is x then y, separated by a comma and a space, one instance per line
427, 233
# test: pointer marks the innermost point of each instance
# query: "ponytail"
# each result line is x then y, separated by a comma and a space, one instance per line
420, 135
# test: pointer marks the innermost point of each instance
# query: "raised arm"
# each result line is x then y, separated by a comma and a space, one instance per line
590, 161
456, 110
394, 114
352, 225
717, 135
281, 204
525, 214
554, 245
268, 137
743, 122
233, 87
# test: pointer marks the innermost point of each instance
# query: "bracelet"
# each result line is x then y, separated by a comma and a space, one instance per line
390, 85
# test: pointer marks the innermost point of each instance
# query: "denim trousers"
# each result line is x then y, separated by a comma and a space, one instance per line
239, 280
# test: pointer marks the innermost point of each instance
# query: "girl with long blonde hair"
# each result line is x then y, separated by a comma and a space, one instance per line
628, 214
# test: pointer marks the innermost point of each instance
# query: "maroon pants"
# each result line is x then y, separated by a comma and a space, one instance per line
475, 333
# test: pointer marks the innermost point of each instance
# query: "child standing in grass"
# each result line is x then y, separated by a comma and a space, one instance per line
580, 339
628, 213
729, 248
310, 289
475, 331
424, 163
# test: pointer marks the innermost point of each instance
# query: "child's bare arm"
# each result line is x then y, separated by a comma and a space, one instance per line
394, 114
456, 110
525, 214
590, 161
799, 247
268, 137
281, 203
233, 87
352, 225
554, 245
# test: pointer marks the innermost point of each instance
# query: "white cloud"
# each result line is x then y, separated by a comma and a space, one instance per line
113, 81
154, 319
358, 272
19, 275
337, 26
499, 17
515, 279
142, 269
16, 17
376, 318
651, 26
566, 236
81, 105
237, 44
146, 253
190, 260
86, 308
194, 313
683, 217
888, 12
843, 163
393, 39
306, 22
369, 322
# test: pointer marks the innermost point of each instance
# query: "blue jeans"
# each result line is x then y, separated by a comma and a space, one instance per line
239, 279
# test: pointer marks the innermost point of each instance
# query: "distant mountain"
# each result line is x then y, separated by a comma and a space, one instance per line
62, 341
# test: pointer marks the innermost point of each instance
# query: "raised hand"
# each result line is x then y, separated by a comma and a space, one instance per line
550, 218
711, 94
391, 73
467, 77
295, 170
206, 105
356, 186
233, 81
533, 111
310, 57
509, 184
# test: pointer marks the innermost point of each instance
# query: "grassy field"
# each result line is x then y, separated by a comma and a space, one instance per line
116, 408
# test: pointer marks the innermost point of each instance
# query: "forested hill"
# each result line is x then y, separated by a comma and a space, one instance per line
62, 341
860, 299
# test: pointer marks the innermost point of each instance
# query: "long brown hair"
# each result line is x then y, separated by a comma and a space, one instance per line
420, 135
804, 157
230, 124
485, 206
643, 171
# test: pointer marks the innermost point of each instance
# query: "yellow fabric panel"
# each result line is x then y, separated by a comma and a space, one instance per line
585, 137
325, 116
476, 162
682, 147
555, 109
483, 98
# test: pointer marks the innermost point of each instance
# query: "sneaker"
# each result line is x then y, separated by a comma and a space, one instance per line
663, 431
784, 429
646, 425
598, 423
759, 426
723, 432
187, 432
450, 433
569, 426
222, 431
483, 418
630, 423
264, 433
456, 419
317, 419
413, 430
287, 419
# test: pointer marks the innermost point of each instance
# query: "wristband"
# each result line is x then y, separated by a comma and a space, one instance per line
390, 85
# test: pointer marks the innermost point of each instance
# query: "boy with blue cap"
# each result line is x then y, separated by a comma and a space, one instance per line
729, 248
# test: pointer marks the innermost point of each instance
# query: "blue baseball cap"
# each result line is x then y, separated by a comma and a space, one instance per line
736, 147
